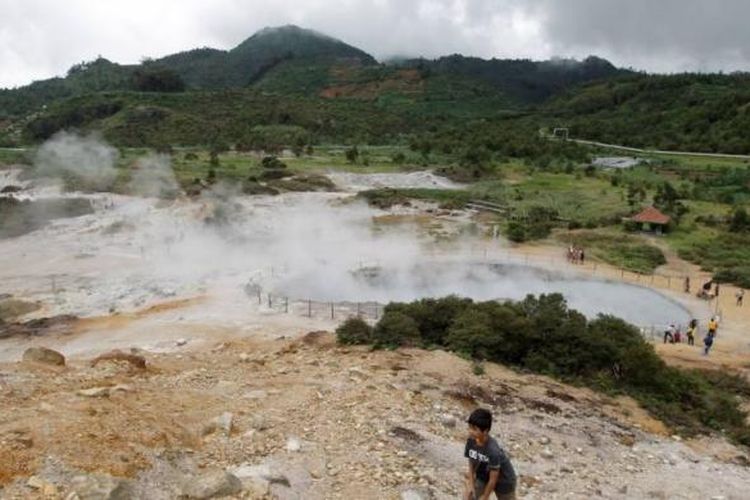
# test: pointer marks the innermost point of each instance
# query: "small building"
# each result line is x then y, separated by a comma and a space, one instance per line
651, 219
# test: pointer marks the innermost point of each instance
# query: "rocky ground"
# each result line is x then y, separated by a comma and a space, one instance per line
214, 395
304, 418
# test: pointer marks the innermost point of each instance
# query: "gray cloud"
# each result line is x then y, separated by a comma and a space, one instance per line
43, 38
666, 35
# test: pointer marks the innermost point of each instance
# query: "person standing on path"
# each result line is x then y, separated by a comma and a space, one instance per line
740, 295
708, 342
713, 325
669, 334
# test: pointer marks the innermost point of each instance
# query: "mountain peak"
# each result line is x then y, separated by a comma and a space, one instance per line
289, 30
292, 41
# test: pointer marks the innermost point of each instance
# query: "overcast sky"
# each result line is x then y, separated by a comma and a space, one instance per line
43, 38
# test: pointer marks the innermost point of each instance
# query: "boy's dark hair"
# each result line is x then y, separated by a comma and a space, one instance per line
481, 418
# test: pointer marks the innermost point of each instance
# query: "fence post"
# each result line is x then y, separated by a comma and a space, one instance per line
286, 304
260, 299
331, 310
309, 308
270, 305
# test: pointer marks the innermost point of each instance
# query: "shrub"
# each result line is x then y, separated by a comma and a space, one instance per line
274, 173
740, 276
516, 232
477, 368
395, 329
352, 154
543, 335
433, 316
471, 334
354, 331
272, 162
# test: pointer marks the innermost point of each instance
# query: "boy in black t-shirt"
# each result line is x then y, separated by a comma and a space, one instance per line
489, 465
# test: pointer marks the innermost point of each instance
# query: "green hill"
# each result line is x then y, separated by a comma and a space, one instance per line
290, 76
693, 112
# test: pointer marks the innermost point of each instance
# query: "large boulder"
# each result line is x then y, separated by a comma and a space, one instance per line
211, 485
44, 355
100, 487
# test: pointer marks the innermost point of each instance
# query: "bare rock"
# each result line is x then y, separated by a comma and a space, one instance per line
259, 478
95, 392
293, 444
415, 494
221, 423
212, 484
135, 360
256, 394
448, 420
99, 487
44, 355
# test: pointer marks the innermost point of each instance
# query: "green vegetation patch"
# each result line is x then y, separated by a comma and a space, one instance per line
387, 197
543, 335
624, 251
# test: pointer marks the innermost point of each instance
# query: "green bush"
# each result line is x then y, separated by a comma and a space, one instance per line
395, 329
543, 335
354, 331
433, 316
272, 162
516, 232
740, 276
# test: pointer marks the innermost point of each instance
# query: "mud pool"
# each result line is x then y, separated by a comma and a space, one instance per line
488, 281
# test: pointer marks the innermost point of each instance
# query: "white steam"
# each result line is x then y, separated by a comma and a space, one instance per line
152, 177
86, 157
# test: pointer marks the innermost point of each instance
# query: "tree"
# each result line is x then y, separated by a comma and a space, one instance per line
213, 159
352, 154
740, 221
395, 329
157, 80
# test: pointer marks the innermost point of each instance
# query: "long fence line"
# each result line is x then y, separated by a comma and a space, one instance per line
370, 310
687, 284
315, 308
491, 254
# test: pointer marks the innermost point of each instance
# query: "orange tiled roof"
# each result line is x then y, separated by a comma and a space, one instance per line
652, 216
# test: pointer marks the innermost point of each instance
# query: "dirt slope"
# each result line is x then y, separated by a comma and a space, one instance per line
306, 419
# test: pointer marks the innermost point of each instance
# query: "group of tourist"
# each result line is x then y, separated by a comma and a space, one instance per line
575, 255
673, 335
710, 290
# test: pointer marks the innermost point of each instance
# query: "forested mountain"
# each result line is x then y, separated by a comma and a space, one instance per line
331, 91
698, 112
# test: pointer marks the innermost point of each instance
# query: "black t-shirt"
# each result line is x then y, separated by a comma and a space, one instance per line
491, 456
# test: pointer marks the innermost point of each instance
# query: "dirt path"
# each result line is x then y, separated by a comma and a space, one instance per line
732, 347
